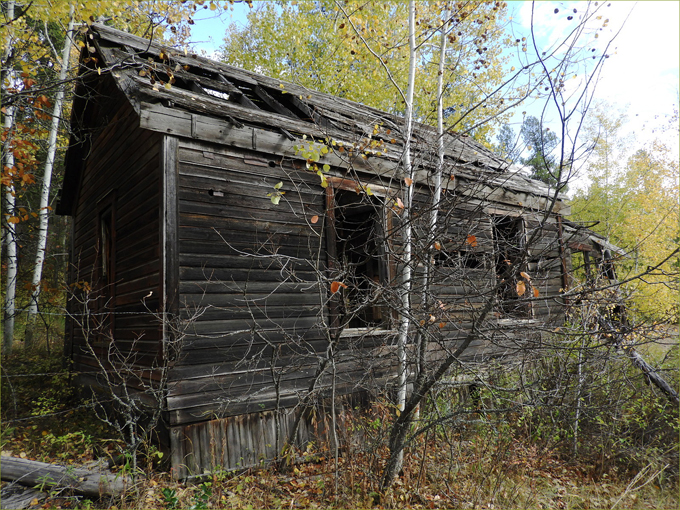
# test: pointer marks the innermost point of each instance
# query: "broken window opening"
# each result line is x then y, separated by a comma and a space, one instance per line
510, 260
361, 259
606, 266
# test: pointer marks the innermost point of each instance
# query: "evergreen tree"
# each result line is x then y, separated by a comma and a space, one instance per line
540, 142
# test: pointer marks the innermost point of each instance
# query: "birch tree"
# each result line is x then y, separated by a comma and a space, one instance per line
9, 233
44, 207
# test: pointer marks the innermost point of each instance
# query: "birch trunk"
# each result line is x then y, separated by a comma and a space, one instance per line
404, 320
10, 200
437, 191
47, 182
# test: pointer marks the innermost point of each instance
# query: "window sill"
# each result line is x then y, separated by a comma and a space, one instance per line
513, 321
375, 331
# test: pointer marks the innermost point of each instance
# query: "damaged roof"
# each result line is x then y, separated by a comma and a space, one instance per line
180, 93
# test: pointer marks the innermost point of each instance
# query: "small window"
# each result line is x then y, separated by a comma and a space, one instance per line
510, 260
106, 246
106, 268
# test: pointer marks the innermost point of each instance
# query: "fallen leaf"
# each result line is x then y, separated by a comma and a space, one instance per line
525, 276
471, 240
536, 292
314, 219
521, 288
335, 286
408, 181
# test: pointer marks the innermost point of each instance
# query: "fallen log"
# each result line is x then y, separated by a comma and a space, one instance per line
18, 497
652, 375
82, 481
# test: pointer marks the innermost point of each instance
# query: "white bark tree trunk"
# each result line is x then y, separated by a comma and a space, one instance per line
10, 200
47, 181
404, 320
436, 197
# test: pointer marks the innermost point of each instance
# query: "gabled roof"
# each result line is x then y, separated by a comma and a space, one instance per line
181, 93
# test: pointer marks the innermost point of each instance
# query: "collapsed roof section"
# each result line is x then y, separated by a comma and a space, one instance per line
218, 102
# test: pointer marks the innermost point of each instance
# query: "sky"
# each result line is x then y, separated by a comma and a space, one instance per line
640, 77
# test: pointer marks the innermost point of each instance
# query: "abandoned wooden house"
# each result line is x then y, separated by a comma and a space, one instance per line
268, 219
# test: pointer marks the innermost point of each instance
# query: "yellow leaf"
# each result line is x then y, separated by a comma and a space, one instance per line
521, 288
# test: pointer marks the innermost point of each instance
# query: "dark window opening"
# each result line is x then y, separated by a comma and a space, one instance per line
361, 259
459, 259
106, 246
606, 267
106, 268
510, 260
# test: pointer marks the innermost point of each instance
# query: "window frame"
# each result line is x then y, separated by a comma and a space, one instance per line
507, 277
386, 264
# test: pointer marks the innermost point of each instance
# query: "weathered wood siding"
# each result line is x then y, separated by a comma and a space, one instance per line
238, 442
122, 170
247, 270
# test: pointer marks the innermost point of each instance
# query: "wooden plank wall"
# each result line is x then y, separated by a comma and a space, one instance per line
123, 162
247, 266
465, 275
